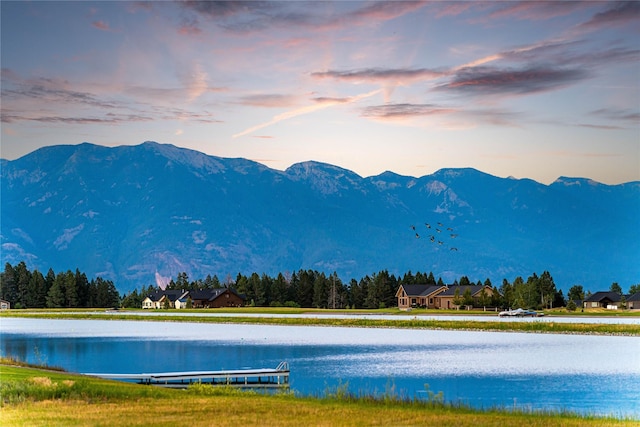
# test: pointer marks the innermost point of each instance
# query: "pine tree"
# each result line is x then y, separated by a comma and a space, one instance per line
55, 296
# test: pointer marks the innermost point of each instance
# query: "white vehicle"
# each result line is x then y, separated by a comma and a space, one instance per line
519, 312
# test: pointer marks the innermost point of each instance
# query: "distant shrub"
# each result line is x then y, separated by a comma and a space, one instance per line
571, 306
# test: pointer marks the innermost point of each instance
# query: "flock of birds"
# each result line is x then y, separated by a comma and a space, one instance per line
440, 231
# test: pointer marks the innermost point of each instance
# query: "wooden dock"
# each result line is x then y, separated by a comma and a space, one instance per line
242, 378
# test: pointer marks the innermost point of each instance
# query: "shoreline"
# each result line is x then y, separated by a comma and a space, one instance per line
483, 324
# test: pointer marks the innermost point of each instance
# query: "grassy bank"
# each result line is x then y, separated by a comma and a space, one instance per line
35, 397
413, 321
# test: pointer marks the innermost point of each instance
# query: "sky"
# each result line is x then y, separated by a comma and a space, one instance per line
525, 89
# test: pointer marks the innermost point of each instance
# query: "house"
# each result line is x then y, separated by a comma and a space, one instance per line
633, 301
205, 298
410, 296
4, 304
608, 300
445, 299
216, 298
157, 299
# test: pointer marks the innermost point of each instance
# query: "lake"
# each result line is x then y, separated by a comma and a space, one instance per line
581, 373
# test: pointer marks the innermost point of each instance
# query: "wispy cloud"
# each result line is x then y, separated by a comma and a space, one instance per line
108, 118
494, 81
631, 117
270, 100
304, 110
453, 117
534, 10
403, 111
380, 75
252, 16
50, 100
616, 14
101, 25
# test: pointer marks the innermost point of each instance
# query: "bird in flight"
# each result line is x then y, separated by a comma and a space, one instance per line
443, 241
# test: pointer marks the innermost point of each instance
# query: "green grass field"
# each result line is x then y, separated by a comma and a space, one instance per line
37, 397
412, 320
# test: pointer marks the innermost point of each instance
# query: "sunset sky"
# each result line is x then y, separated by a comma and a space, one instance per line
525, 89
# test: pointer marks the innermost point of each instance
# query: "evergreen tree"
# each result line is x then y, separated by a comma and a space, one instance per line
70, 290
182, 282
320, 291
356, 294
305, 288
634, 289
266, 285
132, 300
547, 290
616, 288
558, 300
255, 290
431, 280
106, 293
508, 294
519, 293
56, 294
292, 289
576, 293
409, 278
279, 291
82, 290
8, 289
37, 291
23, 278
48, 281
242, 286
338, 296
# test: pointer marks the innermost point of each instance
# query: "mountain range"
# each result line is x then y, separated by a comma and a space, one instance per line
139, 215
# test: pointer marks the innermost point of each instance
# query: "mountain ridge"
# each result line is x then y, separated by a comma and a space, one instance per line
131, 213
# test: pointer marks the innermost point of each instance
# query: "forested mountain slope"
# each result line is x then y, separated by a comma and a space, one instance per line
135, 214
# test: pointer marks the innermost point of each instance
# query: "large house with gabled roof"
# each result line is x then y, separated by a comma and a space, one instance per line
440, 296
447, 298
612, 301
633, 302
412, 296
603, 299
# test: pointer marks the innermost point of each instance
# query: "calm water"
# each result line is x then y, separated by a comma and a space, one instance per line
588, 374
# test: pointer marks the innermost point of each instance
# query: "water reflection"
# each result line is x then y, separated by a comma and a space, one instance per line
590, 374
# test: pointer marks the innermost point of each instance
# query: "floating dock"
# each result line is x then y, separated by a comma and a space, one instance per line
242, 378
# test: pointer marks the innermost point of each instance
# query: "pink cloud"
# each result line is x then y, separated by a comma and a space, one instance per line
101, 25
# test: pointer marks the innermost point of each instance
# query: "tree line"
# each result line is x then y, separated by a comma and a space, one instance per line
31, 289
304, 288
